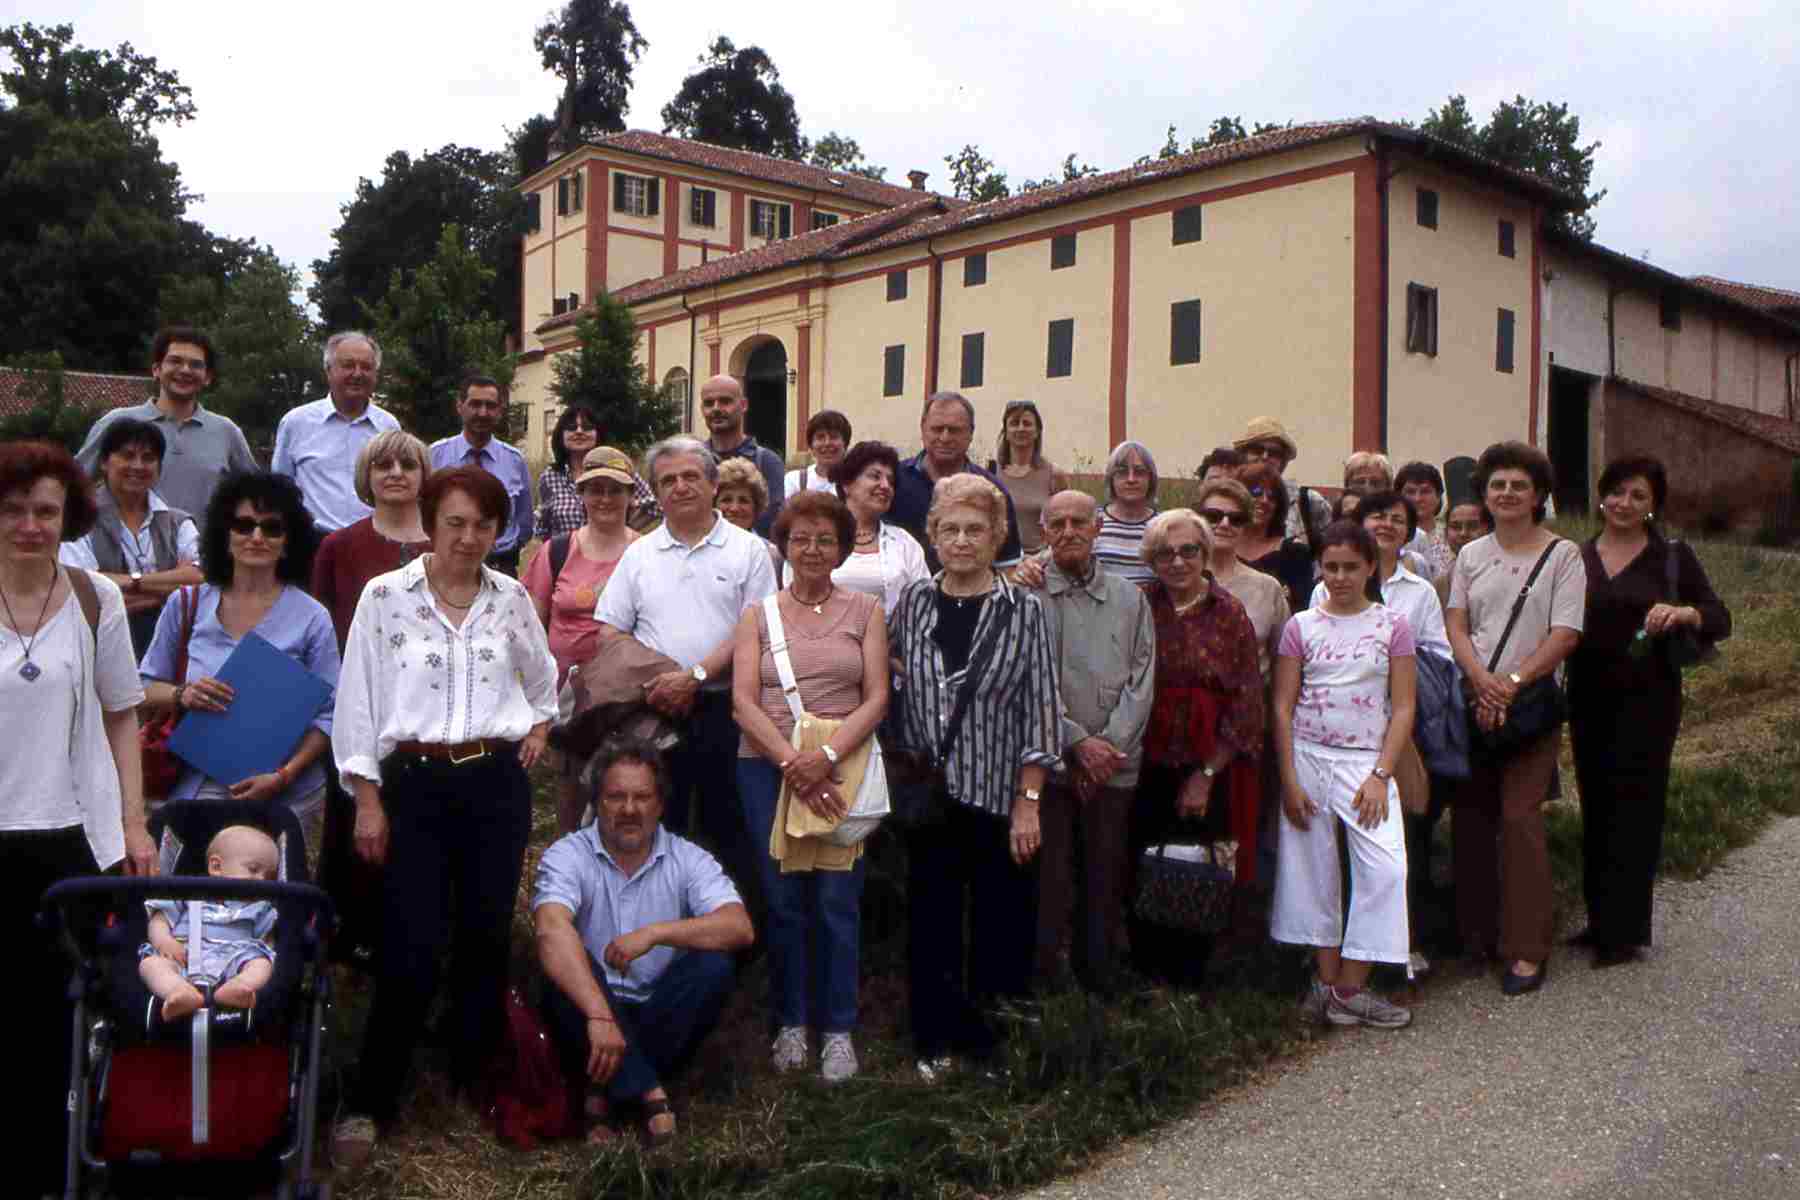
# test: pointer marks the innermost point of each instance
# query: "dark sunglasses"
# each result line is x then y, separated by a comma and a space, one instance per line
1166, 555
272, 527
1218, 516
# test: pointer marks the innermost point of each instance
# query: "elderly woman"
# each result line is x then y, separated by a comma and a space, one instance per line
256, 548
884, 558
71, 797
447, 696
138, 542
1502, 859
1131, 483
1227, 509
1367, 471
1625, 698
827, 436
971, 629
1265, 544
836, 642
565, 580
741, 497
1028, 477
1423, 485
1206, 723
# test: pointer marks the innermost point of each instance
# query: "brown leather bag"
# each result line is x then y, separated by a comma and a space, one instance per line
161, 767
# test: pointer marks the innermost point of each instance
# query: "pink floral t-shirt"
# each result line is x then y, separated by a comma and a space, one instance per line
1344, 674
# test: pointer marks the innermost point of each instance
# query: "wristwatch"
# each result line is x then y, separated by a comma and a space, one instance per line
1382, 774
1208, 770
1030, 794
699, 673
1516, 681
831, 756
137, 577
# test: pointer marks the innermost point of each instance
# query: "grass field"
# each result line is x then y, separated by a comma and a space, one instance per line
1080, 1075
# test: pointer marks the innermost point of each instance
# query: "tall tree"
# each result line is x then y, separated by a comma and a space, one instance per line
835, 152
592, 46
1529, 135
736, 99
92, 220
396, 225
604, 372
974, 176
434, 328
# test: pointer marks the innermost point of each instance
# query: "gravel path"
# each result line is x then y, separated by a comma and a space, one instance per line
1675, 1078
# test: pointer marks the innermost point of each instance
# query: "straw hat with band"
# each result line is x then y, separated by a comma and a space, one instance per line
1268, 429
606, 462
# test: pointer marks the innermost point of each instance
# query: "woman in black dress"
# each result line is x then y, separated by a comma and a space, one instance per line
1625, 699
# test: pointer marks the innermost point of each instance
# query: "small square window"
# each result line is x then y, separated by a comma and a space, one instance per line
1421, 319
1508, 243
974, 351
824, 220
1669, 310
893, 371
771, 221
1062, 251
1060, 360
703, 207
1184, 332
1187, 225
1428, 208
1503, 341
896, 285
974, 270
635, 195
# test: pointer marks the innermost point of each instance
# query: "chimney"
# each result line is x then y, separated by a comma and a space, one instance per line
918, 180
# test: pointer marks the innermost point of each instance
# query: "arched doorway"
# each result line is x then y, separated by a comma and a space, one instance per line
766, 386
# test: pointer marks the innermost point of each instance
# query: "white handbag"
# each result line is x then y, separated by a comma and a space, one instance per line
871, 803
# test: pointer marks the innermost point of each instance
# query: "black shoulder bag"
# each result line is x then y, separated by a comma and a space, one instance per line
1540, 706
1685, 647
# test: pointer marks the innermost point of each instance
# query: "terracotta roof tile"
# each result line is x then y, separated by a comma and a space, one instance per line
760, 166
84, 389
1764, 427
1776, 300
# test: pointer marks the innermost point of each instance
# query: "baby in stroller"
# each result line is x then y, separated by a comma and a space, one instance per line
234, 957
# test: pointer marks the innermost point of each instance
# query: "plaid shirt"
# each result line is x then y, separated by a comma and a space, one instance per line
560, 509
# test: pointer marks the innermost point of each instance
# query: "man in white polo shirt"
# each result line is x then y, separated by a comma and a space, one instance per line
316, 444
680, 590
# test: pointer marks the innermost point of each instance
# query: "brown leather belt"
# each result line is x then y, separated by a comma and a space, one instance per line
457, 753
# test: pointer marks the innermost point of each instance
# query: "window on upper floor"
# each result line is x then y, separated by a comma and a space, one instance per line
1668, 310
974, 351
770, 220
1508, 240
1062, 251
1428, 208
1184, 332
568, 194
974, 270
1421, 319
823, 220
635, 195
893, 371
1503, 341
703, 207
1187, 225
896, 285
1059, 359
534, 212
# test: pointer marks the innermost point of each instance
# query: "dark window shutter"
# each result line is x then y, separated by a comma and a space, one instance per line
1184, 332
558, 306
1503, 342
974, 270
1508, 246
974, 351
575, 192
896, 285
534, 212
1187, 225
562, 196
1428, 208
1669, 310
1059, 362
574, 301
823, 220
1062, 251
893, 371
652, 196
709, 207
618, 192
787, 220
1421, 319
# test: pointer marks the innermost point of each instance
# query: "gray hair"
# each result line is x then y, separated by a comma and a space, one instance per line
350, 335
937, 398
1117, 459
681, 444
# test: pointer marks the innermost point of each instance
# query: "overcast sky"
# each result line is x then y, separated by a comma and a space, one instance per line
1694, 102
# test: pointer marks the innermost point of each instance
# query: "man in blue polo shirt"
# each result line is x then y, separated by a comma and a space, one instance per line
635, 929
946, 427
482, 406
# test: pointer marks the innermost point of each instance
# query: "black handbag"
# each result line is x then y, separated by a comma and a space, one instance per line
1540, 706
918, 790
1685, 647
1184, 894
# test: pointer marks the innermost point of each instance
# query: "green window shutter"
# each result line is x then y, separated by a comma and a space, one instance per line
896, 285
618, 192
1503, 341
974, 351
1184, 332
893, 371
1060, 359
974, 270
652, 195
1187, 225
1508, 240
1062, 251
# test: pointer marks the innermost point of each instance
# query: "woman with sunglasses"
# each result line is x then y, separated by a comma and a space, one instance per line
256, 551
560, 508
1028, 477
1265, 545
1226, 507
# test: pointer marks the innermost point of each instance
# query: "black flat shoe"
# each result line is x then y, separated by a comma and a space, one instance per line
1613, 956
1584, 938
1519, 985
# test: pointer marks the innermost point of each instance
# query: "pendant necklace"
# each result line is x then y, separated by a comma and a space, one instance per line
28, 670
819, 608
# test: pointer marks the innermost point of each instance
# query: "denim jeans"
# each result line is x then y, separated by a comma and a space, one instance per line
661, 1033
813, 929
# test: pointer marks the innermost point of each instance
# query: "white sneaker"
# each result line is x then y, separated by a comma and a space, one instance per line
790, 1048
1416, 965
1365, 1008
934, 1070
837, 1059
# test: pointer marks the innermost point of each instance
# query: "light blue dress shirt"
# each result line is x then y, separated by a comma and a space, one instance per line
316, 448
504, 463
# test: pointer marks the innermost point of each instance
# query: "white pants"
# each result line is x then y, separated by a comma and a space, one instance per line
1308, 908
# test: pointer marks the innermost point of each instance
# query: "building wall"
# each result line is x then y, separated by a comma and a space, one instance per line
1718, 477
1456, 402
1575, 315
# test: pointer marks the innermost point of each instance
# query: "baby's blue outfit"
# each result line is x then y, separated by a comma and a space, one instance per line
234, 936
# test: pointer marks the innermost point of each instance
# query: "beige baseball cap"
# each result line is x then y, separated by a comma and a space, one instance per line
607, 462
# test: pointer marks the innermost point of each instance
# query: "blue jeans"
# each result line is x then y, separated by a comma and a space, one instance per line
661, 1033
816, 911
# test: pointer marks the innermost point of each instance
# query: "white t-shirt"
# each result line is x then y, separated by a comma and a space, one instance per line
59, 770
806, 479
685, 602
1344, 674
1486, 582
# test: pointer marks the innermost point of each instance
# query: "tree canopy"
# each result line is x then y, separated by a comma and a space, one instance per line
835, 152
735, 99
1529, 135
592, 46
603, 372
975, 176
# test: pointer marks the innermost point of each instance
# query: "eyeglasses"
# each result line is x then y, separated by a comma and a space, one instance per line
1257, 450
1132, 471
1257, 490
1218, 516
178, 361
1188, 552
826, 542
1521, 486
272, 527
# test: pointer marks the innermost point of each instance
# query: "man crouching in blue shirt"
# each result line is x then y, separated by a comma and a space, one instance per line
635, 928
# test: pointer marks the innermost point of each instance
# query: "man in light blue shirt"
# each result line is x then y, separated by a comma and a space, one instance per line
482, 407
635, 930
316, 444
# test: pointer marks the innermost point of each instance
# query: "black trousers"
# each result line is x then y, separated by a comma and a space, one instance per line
38, 1010
703, 775
1622, 817
965, 867
456, 848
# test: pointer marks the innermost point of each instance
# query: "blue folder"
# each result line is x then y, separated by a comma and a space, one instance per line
277, 701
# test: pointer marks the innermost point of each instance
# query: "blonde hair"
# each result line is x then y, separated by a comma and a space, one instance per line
1231, 489
742, 473
1156, 536
395, 443
967, 488
1369, 458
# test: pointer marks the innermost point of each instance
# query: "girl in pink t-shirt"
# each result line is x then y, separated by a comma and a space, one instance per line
1344, 689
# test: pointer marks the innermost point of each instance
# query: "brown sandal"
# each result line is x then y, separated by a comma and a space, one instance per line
652, 1110
599, 1127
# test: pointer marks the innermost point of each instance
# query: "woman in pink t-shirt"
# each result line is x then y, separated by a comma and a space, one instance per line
1344, 696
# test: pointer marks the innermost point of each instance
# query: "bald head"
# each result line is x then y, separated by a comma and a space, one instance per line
722, 407
242, 852
1071, 521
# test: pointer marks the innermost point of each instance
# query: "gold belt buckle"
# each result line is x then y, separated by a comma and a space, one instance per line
480, 753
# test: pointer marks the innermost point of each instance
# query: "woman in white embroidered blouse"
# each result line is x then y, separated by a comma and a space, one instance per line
445, 699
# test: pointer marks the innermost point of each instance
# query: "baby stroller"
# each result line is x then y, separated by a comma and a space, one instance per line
223, 1102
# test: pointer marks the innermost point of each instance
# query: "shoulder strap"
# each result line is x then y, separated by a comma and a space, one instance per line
82, 584
784, 665
978, 662
189, 598
559, 554
1672, 571
1519, 604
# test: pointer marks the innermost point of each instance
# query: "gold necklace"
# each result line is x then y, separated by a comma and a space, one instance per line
819, 608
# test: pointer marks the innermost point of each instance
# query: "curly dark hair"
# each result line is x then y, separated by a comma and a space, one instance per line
22, 464
1262, 475
488, 493
856, 460
560, 452
128, 431
1516, 456
1382, 501
276, 495
822, 506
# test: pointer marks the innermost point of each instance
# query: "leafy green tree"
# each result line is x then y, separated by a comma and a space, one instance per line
51, 415
835, 152
1071, 171
397, 225
1528, 135
603, 371
736, 99
974, 176
529, 145
592, 46
434, 328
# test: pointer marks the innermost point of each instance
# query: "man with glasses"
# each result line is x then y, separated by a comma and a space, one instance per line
946, 427
316, 444
1266, 440
200, 447
482, 407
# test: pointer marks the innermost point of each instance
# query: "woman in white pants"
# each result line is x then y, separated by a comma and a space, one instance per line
1344, 696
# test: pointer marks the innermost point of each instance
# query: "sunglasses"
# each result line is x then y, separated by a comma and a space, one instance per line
1257, 490
272, 527
1166, 555
1218, 516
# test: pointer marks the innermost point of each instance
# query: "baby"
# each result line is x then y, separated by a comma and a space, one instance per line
234, 953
